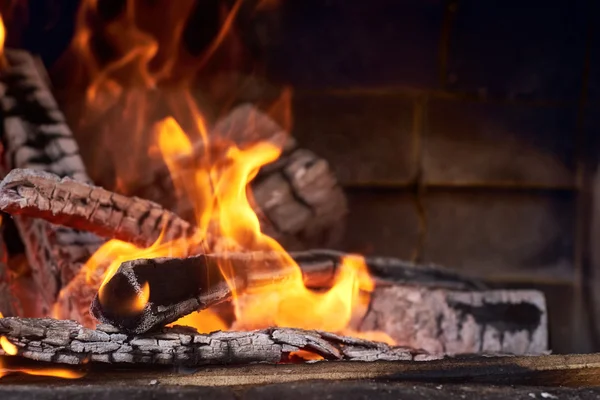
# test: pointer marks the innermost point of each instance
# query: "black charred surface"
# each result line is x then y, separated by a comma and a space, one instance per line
503, 316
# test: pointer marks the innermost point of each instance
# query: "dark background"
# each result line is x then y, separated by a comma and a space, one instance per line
463, 131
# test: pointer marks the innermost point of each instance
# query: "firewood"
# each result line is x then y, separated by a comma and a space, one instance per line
78, 205
441, 319
298, 199
68, 342
35, 135
199, 283
318, 267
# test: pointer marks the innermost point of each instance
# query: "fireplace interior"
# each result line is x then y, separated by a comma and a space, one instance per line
433, 162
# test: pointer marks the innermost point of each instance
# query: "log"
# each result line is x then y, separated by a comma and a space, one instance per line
67, 202
176, 290
442, 320
200, 283
319, 268
35, 135
67, 342
298, 199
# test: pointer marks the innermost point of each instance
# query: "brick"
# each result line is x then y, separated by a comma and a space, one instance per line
340, 43
366, 138
515, 49
382, 223
479, 143
502, 235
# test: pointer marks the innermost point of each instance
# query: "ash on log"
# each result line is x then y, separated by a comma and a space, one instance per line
298, 199
79, 205
35, 135
441, 320
68, 342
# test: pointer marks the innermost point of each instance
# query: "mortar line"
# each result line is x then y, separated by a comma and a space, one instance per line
419, 122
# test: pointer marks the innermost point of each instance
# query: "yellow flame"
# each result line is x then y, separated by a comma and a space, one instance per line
49, 372
7, 346
205, 321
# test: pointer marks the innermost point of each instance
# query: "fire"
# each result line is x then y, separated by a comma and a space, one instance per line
148, 57
12, 350
8, 347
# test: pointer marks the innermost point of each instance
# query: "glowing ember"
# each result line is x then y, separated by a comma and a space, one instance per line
306, 355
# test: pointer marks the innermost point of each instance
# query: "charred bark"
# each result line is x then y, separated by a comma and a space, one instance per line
36, 136
79, 205
68, 342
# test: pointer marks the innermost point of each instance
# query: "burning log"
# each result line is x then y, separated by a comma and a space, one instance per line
298, 199
35, 136
79, 205
200, 283
450, 318
68, 342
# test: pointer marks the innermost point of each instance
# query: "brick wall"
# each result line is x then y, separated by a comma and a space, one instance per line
462, 132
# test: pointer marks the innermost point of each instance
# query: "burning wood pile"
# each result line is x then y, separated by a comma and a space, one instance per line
202, 277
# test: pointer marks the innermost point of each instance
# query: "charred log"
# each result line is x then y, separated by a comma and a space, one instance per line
78, 205
439, 319
35, 135
68, 342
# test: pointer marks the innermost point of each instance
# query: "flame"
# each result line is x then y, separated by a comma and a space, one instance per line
7, 346
142, 299
63, 373
205, 321
146, 80
306, 355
